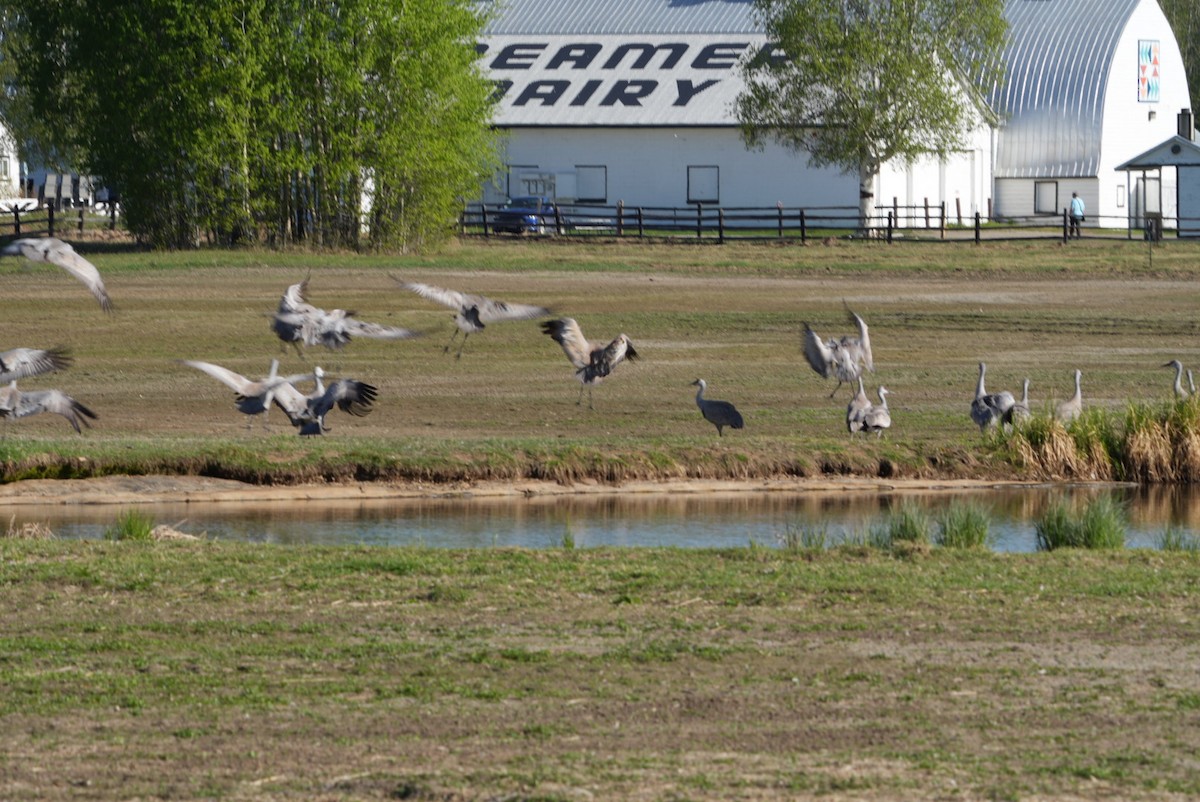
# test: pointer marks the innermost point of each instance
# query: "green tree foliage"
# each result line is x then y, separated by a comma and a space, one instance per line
857, 83
1184, 16
259, 120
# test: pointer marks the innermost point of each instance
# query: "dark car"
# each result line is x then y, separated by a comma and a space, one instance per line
530, 214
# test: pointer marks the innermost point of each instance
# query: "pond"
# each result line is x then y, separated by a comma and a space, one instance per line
684, 520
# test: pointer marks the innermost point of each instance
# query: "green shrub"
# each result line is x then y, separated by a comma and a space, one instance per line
804, 537
1173, 539
909, 524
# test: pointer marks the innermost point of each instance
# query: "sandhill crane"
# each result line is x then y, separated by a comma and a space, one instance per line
718, 413
1191, 382
879, 417
473, 312
296, 321
253, 397
856, 410
988, 409
592, 359
1070, 409
843, 358
307, 412
1180, 393
20, 363
1019, 411
52, 250
17, 404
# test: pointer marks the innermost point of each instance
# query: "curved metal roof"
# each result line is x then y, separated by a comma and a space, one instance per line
620, 16
1052, 101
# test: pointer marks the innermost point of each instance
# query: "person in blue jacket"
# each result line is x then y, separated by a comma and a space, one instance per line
1076, 216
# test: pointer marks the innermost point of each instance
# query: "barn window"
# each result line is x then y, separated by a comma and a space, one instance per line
1045, 197
591, 183
704, 184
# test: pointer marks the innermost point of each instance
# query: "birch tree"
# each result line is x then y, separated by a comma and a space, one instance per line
857, 83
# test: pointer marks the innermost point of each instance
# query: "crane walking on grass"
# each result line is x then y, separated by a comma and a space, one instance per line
857, 409
878, 418
51, 250
472, 313
718, 413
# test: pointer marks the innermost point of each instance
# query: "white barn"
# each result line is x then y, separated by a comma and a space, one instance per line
632, 101
1090, 84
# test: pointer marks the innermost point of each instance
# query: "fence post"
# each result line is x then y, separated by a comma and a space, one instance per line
958, 210
483, 217
889, 227
17, 221
620, 217
803, 229
977, 232
927, 212
1066, 231
780, 208
942, 223
721, 226
699, 220
112, 216
50, 219
558, 221
81, 221
641, 217
896, 210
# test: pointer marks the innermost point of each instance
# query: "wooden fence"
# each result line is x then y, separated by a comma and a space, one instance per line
19, 221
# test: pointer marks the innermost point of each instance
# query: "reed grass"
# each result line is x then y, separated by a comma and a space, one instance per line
1100, 525
805, 537
132, 524
964, 525
1174, 539
30, 530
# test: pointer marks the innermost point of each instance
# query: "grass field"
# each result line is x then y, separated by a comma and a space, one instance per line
731, 314
135, 670
196, 670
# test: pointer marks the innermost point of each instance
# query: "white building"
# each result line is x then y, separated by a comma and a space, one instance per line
632, 101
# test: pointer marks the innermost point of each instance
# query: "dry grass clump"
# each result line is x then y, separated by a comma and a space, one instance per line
30, 530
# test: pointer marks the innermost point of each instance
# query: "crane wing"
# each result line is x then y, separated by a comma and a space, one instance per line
864, 341
54, 401
20, 363
234, 381
818, 354
566, 332
492, 310
359, 328
451, 298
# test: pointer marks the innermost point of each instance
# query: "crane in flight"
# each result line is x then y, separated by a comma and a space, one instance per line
472, 313
593, 359
51, 250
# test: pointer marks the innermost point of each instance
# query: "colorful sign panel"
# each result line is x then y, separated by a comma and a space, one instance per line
1148, 71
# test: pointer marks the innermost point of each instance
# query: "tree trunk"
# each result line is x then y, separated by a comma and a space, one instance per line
868, 170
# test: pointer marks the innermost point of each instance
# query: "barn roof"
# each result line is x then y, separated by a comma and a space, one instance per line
574, 17
1052, 101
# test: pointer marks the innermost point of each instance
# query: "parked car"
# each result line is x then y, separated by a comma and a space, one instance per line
528, 214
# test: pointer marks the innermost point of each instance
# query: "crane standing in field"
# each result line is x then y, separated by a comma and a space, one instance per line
1070, 409
1180, 393
989, 408
593, 360
718, 413
472, 313
51, 250
857, 409
878, 418
1018, 412
844, 359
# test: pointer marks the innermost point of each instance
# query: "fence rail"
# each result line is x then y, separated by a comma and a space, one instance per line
890, 223
23, 220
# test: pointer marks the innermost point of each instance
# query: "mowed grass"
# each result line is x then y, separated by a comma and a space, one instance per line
731, 314
142, 670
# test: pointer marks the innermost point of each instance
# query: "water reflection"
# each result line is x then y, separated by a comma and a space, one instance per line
707, 520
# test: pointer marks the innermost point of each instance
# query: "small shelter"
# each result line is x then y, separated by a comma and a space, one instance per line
1182, 154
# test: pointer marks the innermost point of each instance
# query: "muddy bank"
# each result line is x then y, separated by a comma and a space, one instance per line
118, 490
